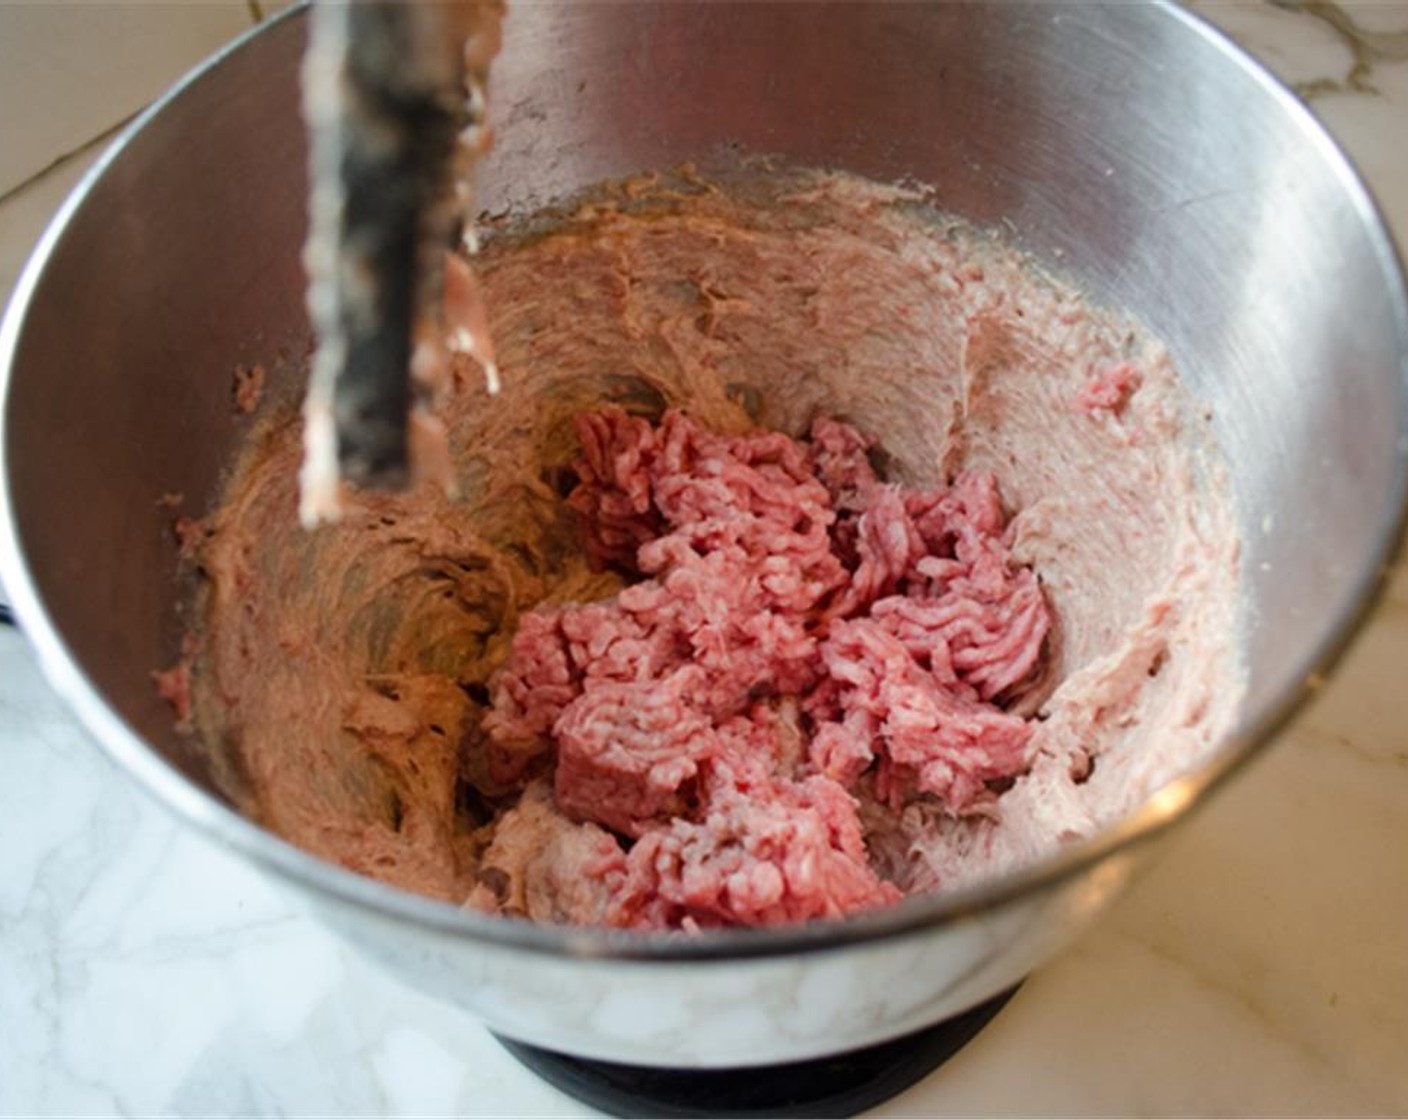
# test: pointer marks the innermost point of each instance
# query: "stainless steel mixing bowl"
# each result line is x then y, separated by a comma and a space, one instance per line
1130, 145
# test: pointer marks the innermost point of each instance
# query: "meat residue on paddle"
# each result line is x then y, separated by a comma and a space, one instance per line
817, 551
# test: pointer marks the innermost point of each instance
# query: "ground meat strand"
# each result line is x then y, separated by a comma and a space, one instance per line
761, 854
798, 625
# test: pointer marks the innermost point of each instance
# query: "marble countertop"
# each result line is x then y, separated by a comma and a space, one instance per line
1261, 967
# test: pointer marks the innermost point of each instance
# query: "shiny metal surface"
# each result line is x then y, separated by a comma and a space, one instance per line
1126, 145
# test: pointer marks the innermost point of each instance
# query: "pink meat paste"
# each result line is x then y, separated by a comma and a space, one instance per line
679, 651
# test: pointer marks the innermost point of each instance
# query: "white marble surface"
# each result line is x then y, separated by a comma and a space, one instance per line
1262, 968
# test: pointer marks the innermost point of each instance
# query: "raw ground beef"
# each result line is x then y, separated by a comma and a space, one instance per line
800, 630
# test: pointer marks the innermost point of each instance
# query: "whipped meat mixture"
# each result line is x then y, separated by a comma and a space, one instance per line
817, 551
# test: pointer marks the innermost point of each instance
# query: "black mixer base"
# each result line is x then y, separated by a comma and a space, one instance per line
841, 1085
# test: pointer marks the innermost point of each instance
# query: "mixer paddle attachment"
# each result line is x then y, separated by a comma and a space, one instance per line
394, 96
